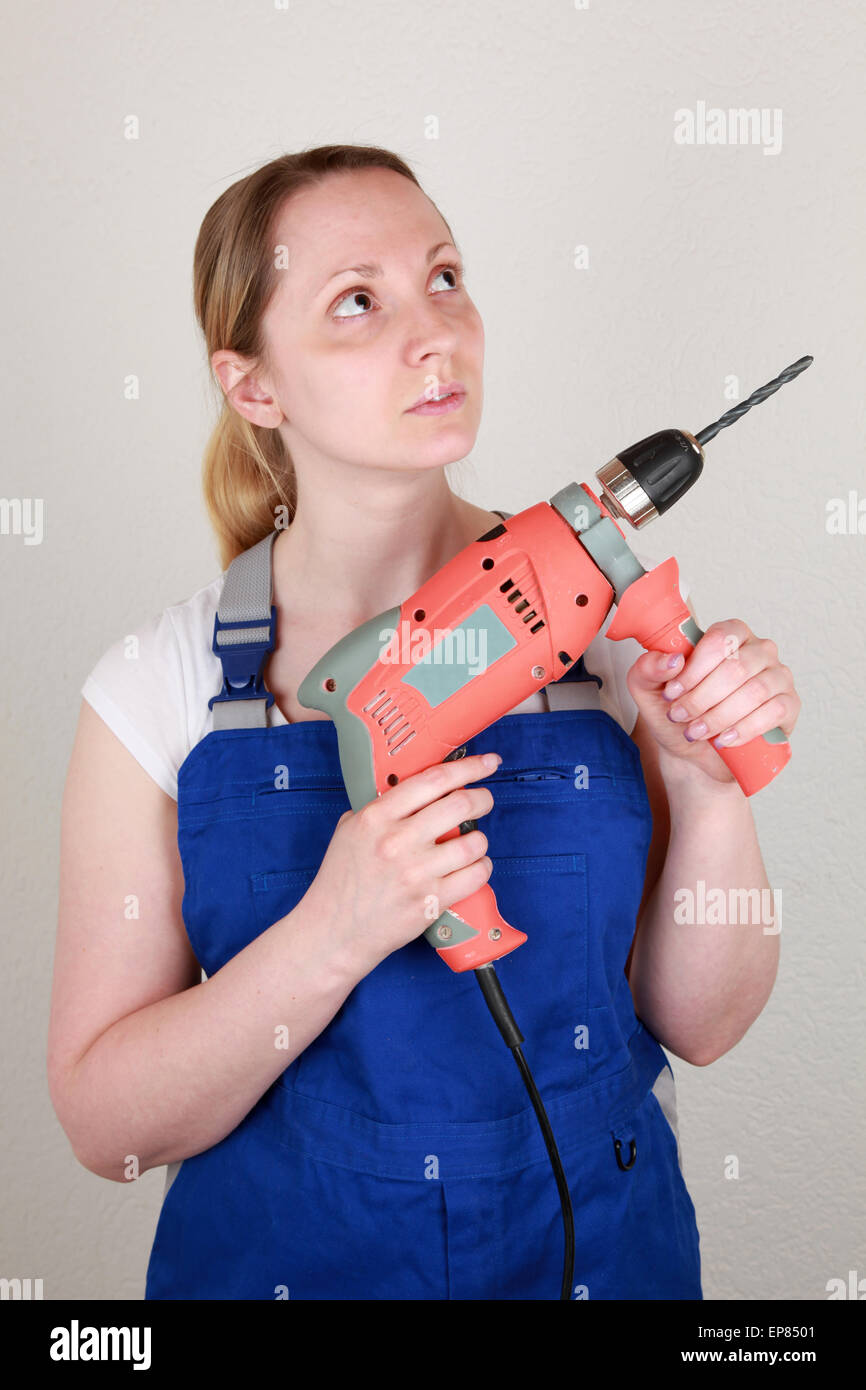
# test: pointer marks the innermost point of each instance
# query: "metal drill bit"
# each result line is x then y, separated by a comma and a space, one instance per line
761, 394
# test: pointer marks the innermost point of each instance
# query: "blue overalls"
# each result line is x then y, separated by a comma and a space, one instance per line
399, 1157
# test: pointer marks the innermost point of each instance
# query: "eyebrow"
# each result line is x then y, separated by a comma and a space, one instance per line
371, 269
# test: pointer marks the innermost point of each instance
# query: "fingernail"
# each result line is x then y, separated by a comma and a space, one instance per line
672, 690
673, 661
492, 760
724, 739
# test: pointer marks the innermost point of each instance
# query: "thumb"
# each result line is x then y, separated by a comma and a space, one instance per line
651, 671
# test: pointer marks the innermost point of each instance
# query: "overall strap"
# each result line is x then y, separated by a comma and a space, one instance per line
245, 628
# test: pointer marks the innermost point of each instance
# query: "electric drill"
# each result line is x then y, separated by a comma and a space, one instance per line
507, 615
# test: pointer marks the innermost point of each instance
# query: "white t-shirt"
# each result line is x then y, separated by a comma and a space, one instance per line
151, 687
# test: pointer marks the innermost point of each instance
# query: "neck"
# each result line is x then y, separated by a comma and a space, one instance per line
354, 557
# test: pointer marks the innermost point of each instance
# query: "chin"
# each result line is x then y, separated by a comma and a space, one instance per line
450, 449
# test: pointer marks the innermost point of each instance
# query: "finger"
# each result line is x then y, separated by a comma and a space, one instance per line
467, 803
720, 643
747, 665
457, 853
779, 712
652, 669
461, 884
737, 707
437, 781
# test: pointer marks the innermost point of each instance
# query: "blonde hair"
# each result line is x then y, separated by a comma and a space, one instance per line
247, 471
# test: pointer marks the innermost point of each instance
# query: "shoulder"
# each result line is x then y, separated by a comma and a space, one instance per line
150, 685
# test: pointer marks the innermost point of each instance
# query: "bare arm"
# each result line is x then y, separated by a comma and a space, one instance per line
698, 987
145, 1058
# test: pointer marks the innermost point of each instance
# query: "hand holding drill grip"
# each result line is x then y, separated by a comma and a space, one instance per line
394, 865
653, 612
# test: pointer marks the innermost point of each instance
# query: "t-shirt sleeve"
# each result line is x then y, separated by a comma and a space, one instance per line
137, 688
613, 660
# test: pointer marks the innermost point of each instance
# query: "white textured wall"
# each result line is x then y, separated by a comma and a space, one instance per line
555, 128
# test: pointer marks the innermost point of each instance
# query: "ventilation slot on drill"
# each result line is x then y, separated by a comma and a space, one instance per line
519, 607
391, 720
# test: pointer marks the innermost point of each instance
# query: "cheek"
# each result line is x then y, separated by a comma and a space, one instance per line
473, 327
341, 397
334, 378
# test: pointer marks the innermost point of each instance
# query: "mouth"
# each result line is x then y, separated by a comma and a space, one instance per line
450, 398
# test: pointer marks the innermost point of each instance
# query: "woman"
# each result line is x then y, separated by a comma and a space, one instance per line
339, 1114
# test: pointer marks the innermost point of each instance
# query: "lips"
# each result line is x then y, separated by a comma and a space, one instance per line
454, 388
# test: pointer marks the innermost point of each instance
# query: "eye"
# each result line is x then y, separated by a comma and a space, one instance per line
358, 293
454, 271
353, 295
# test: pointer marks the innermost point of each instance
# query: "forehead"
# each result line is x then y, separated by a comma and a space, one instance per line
364, 215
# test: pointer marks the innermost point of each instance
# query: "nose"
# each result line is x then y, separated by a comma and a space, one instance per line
432, 331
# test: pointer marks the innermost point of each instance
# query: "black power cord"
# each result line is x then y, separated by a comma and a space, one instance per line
498, 1006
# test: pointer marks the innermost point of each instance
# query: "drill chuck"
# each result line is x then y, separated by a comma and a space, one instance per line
647, 478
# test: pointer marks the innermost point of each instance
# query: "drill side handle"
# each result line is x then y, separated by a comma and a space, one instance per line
652, 611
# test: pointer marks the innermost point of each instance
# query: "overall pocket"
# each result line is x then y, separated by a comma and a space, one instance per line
414, 1042
277, 893
546, 979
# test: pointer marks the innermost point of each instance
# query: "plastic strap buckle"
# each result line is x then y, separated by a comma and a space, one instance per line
243, 662
577, 672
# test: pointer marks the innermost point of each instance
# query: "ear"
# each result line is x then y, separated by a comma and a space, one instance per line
246, 390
